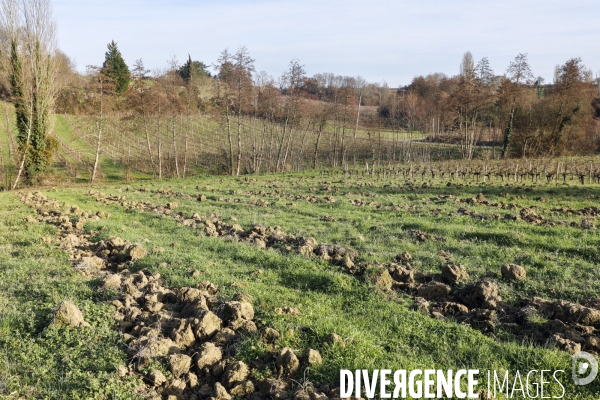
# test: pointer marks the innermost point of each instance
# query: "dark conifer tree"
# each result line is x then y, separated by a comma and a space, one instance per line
116, 69
193, 69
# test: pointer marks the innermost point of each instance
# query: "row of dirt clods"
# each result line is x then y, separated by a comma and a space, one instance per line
452, 293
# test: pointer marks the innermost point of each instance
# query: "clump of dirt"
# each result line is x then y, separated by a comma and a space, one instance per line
434, 290
530, 215
481, 294
68, 314
380, 278
421, 236
287, 310
513, 272
454, 272
587, 223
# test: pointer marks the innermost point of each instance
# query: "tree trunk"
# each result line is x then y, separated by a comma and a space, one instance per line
174, 146
509, 130
149, 146
159, 148
185, 151
239, 143
316, 158
229, 138
356, 126
22, 163
281, 144
287, 149
99, 137
344, 136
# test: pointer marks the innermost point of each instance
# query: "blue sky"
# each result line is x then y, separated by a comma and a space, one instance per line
379, 40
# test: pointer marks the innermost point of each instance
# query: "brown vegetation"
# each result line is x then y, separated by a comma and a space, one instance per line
173, 121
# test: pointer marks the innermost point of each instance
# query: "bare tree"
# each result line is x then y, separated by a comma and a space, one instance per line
101, 85
224, 96
291, 82
174, 81
519, 76
359, 86
140, 101
321, 122
467, 65
243, 68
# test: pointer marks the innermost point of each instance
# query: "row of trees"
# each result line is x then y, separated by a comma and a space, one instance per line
265, 123
515, 111
296, 121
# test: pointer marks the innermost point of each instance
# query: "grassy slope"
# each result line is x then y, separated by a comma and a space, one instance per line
76, 145
560, 262
112, 170
385, 134
77, 150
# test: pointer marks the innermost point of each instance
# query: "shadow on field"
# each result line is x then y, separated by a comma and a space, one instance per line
499, 239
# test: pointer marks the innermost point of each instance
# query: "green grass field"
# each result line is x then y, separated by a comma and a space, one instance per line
380, 329
389, 135
376, 133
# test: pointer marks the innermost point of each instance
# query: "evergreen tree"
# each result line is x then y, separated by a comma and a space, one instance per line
116, 69
193, 69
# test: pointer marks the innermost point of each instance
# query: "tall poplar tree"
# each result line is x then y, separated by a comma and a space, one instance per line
30, 34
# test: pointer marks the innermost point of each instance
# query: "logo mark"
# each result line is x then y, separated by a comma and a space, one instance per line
585, 368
